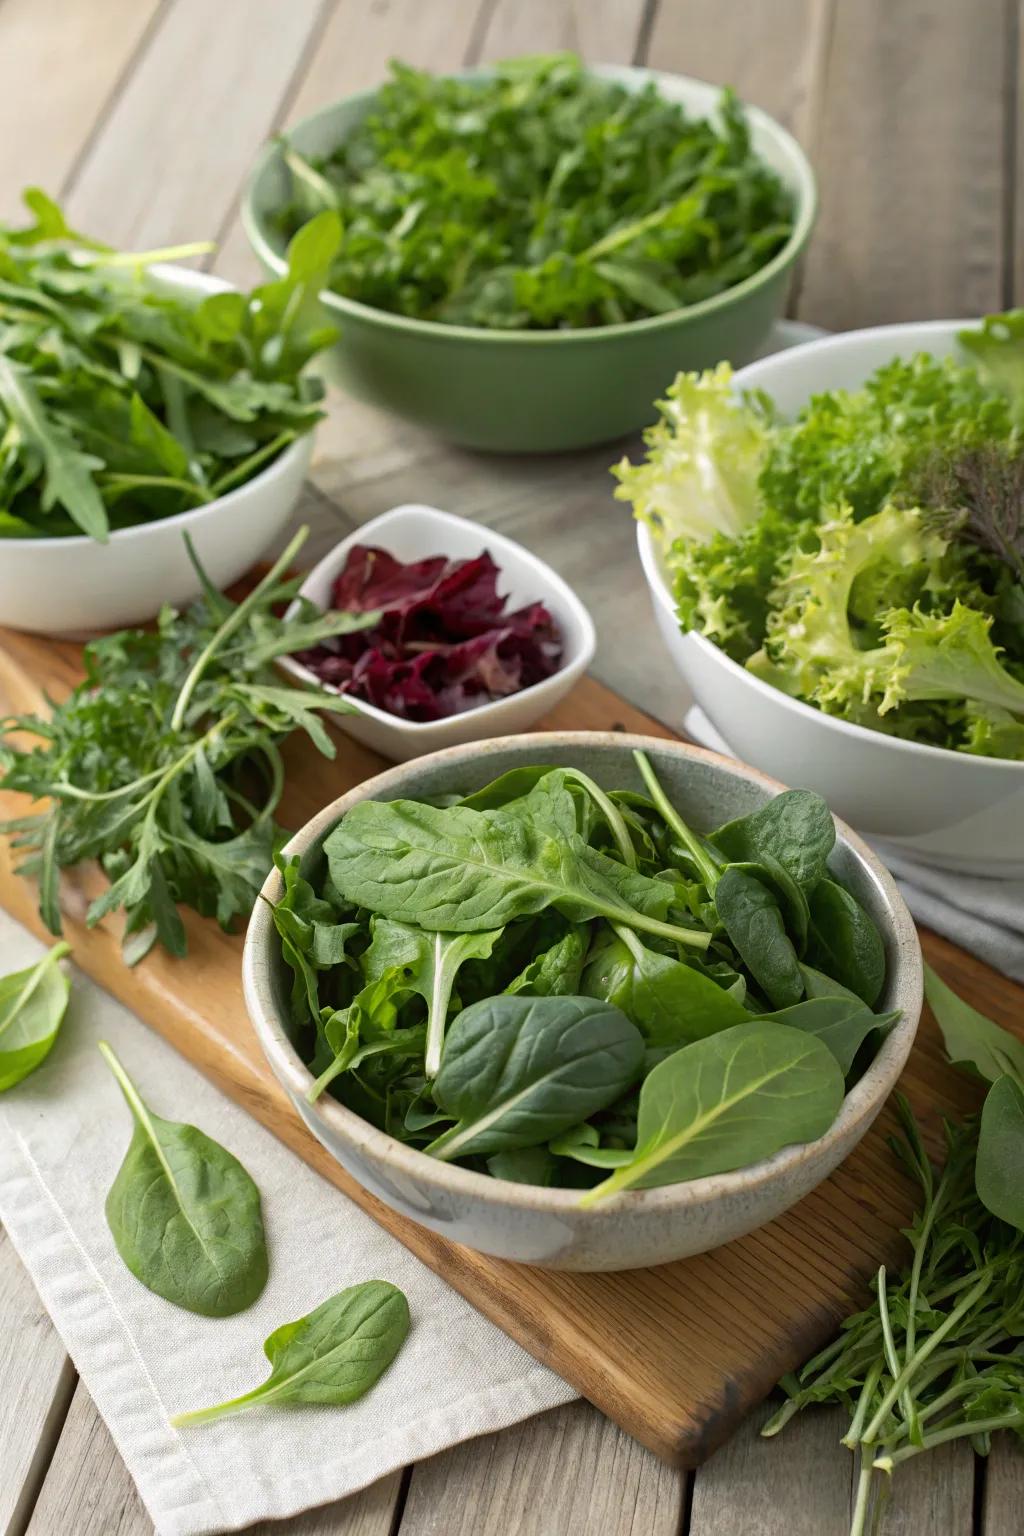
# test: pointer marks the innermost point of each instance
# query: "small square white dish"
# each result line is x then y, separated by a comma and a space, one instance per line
414, 532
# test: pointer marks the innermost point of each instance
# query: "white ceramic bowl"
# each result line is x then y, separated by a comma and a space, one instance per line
945, 808
412, 533
547, 1226
77, 586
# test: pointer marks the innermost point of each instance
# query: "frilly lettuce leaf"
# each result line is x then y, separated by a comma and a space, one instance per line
997, 348
703, 461
993, 732
947, 656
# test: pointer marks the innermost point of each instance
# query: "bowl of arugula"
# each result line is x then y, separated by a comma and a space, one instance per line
530, 251
583, 1000
837, 567
149, 413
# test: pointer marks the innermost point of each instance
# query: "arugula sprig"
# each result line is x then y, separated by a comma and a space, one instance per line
164, 764
121, 403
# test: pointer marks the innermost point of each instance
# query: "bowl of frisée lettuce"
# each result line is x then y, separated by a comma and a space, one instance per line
834, 542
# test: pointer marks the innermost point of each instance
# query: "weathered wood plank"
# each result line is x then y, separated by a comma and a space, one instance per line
60, 62
772, 55
36, 1383
911, 164
934, 1492
171, 157
601, 31
567, 1472
1003, 1499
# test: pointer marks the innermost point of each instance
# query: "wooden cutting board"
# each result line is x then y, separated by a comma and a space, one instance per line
676, 1355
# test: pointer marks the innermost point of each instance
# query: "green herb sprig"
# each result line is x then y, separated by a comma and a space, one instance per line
164, 764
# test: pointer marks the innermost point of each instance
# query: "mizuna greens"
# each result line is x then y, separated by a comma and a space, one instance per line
938, 1355
123, 404
868, 556
550, 982
539, 195
164, 764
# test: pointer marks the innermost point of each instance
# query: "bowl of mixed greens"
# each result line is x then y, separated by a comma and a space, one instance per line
584, 1000
834, 542
145, 407
530, 251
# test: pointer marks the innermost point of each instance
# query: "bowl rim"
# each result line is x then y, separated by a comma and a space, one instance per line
656, 580
856, 1112
803, 186
566, 674
185, 279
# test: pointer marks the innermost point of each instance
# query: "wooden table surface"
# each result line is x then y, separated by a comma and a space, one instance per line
144, 116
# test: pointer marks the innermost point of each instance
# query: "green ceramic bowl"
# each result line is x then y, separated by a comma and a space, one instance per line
537, 391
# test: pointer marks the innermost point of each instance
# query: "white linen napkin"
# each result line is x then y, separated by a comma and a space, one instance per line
63, 1134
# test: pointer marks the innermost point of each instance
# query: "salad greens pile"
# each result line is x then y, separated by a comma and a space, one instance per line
539, 196
164, 764
557, 985
123, 404
938, 1355
867, 557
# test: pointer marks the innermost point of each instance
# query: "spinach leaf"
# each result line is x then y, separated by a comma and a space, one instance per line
706, 859
583, 1145
817, 984
527, 1165
517, 1071
845, 942
32, 1007
458, 870
796, 828
999, 1170
556, 971
184, 1214
367, 1027
333, 1355
842, 1023
751, 917
971, 1039
430, 962
668, 1001
312, 940
726, 1102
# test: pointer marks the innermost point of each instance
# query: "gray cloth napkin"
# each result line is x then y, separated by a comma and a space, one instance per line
983, 916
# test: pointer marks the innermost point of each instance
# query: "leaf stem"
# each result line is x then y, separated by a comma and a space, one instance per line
708, 871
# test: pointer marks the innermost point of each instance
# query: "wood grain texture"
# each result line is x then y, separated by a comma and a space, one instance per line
87, 1491
60, 64
1002, 1504
36, 1383
600, 31
912, 188
184, 130
675, 1355
563, 1473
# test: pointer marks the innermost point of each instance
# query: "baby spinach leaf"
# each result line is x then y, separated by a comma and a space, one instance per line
517, 1071
32, 1007
842, 1023
796, 828
507, 787
527, 1165
971, 1039
751, 917
999, 1170
706, 859
845, 942
333, 1355
726, 1102
367, 1027
458, 870
556, 971
184, 1214
817, 984
669, 1002
583, 1145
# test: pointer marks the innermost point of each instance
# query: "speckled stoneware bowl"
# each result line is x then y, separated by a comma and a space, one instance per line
546, 1226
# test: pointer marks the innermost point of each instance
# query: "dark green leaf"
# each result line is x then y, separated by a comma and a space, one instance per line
844, 942
753, 920
1000, 1166
32, 1007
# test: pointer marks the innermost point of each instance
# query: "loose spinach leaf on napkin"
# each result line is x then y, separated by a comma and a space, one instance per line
184, 1214
334, 1355
32, 1007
